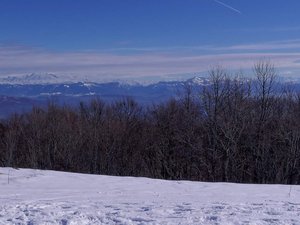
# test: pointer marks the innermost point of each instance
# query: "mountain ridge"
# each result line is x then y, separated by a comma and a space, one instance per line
20, 95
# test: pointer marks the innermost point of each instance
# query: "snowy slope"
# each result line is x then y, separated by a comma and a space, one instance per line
49, 197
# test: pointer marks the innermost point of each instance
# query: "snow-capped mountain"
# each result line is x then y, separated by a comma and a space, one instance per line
33, 78
198, 81
33, 85
53, 78
20, 93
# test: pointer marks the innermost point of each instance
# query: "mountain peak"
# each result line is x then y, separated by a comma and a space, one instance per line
40, 76
198, 81
32, 78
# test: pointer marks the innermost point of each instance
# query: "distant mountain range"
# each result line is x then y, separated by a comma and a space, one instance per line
33, 78
20, 93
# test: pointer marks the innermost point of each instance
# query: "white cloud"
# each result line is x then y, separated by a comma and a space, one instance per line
113, 65
274, 45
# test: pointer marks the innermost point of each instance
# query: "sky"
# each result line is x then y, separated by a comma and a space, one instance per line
144, 40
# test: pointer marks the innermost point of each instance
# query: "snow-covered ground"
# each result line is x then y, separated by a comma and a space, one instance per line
49, 197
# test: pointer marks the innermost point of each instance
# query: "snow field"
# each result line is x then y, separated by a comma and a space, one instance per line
35, 197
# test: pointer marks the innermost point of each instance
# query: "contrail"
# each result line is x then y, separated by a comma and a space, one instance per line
228, 6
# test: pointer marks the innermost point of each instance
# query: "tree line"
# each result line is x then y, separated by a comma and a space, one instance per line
234, 130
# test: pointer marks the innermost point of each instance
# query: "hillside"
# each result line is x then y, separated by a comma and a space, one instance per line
49, 197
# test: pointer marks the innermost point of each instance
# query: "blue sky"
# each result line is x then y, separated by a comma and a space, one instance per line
140, 39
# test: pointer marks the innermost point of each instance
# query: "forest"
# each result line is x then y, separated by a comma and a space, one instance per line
234, 130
